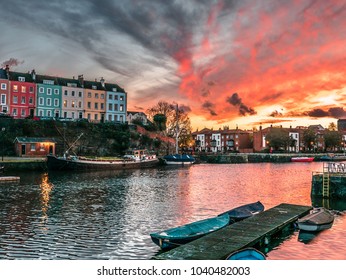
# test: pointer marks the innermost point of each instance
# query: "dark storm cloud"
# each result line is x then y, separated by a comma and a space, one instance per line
243, 109
334, 112
164, 28
207, 105
275, 114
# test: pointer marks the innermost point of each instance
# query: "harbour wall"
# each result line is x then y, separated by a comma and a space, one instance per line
337, 186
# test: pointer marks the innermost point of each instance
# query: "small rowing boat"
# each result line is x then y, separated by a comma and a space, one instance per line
318, 219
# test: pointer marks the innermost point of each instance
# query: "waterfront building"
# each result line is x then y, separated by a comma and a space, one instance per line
48, 97
94, 101
4, 92
72, 98
223, 140
116, 103
138, 116
34, 146
22, 94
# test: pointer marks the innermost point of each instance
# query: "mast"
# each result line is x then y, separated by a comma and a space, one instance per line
177, 131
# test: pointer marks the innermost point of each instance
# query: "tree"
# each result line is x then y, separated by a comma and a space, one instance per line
309, 138
278, 138
160, 121
332, 139
332, 127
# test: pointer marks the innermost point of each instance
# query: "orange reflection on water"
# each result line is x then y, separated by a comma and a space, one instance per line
46, 188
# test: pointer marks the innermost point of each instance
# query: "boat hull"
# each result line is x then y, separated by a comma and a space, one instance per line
57, 163
302, 159
247, 254
178, 159
319, 219
177, 236
244, 211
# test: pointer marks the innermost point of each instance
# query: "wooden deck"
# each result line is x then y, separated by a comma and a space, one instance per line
9, 179
249, 232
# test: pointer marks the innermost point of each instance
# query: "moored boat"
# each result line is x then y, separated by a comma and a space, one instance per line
178, 159
245, 211
247, 254
138, 159
318, 219
174, 237
302, 159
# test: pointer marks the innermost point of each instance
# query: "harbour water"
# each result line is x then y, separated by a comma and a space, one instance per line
108, 215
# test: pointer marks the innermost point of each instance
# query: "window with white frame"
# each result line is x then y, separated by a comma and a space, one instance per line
49, 91
40, 113
23, 100
56, 102
21, 79
15, 99
3, 99
32, 147
49, 101
31, 100
56, 91
3, 86
41, 90
24, 89
14, 112
121, 108
22, 112
41, 101
15, 88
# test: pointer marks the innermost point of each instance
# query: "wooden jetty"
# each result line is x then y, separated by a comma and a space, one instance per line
249, 232
4, 179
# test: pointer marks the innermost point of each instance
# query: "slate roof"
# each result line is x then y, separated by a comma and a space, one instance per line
34, 140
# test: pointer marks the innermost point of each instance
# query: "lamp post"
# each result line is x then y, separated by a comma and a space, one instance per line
3, 136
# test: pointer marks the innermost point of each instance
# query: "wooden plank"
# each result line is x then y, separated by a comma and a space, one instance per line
218, 245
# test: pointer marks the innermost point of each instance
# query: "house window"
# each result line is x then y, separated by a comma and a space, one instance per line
15, 99
40, 113
41, 101
49, 102
73, 104
56, 102
80, 104
23, 89
15, 88
96, 95
121, 98
102, 96
41, 147
14, 112
3, 86
23, 112
121, 108
31, 89
94, 87
56, 91
48, 82
102, 106
114, 89
65, 92
31, 100
65, 104
3, 99
115, 107
110, 107
49, 113
89, 105
23, 101
96, 116
96, 106
72, 94
41, 90
21, 79
80, 94
49, 91
110, 96
32, 147
89, 116
89, 94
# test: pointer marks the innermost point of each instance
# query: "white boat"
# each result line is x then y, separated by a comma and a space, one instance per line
178, 159
318, 219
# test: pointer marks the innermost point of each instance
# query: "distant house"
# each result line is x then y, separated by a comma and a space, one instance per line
34, 146
138, 116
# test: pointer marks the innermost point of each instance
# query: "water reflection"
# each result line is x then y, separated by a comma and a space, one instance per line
109, 215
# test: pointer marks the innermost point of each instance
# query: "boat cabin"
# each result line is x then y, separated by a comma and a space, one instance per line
34, 146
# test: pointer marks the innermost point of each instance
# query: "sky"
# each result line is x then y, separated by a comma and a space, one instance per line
227, 63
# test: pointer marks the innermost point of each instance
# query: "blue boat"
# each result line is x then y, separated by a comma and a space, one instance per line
247, 254
174, 237
244, 211
178, 159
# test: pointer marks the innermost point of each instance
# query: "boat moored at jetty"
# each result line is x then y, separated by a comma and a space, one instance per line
302, 159
247, 254
137, 159
318, 219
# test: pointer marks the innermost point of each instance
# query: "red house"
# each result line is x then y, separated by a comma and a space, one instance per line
34, 146
22, 94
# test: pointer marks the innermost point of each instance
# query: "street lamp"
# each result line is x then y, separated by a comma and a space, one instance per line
3, 137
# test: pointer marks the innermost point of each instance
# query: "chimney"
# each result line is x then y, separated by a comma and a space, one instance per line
7, 69
33, 74
81, 80
102, 82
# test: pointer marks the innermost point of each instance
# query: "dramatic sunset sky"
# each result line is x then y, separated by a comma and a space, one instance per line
237, 63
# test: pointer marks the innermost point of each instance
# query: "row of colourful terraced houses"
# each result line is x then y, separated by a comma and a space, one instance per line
25, 95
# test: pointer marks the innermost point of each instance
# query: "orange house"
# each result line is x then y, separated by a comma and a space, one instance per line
34, 146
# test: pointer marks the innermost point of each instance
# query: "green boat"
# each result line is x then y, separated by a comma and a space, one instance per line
174, 237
